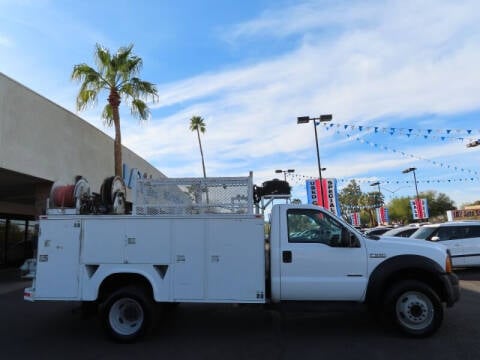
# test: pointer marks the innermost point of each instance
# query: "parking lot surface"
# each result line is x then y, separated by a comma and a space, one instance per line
193, 331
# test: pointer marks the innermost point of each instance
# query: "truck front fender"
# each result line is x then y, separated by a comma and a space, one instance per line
404, 267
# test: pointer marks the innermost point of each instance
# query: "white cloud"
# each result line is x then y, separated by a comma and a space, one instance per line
5, 41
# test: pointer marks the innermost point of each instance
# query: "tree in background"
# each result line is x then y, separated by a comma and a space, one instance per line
399, 210
197, 124
438, 204
116, 74
369, 202
349, 198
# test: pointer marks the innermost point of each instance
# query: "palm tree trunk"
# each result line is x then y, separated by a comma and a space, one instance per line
203, 163
117, 147
201, 154
114, 100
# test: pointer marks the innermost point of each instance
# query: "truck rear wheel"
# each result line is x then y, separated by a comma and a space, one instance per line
128, 314
414, 308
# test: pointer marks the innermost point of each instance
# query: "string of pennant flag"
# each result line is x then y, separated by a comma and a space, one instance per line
407, 155
436, 134
301, 178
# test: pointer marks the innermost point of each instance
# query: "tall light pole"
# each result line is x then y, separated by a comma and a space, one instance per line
289, 171
412, 169
321, 118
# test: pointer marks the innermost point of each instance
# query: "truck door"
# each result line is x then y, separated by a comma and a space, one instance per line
58, 259
321, 258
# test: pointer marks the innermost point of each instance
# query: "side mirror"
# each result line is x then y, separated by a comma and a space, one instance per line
435, 238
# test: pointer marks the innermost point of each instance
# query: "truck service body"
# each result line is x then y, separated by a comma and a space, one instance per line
128, 263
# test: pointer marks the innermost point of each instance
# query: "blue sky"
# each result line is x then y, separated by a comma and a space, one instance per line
401, 79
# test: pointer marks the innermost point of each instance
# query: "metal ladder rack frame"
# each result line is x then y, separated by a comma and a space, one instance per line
193, 196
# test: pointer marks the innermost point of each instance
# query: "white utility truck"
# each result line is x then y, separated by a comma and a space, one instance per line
203, 240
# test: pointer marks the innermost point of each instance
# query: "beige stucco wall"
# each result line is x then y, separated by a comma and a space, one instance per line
42, 139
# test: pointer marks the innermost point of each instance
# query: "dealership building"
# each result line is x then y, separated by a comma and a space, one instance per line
42, 144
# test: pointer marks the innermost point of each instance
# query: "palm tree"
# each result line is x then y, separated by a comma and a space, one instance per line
197, 124
117, 75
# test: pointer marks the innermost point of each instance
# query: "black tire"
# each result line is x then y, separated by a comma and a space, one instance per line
128, 314
414, 308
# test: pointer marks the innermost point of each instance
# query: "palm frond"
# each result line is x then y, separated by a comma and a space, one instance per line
197, 124
91, 84
86, 97
107, 115
102, 57
140, 109
137, 88
82, 71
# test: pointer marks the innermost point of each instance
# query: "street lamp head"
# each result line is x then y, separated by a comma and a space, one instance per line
323, 169
375, 183
326, 117
474, 143
303, 119
306, 119
409, 170
285, 171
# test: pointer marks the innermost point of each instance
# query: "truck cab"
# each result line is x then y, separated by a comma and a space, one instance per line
316, 256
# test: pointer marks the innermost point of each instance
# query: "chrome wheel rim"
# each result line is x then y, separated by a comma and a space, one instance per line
414, 310
126, 316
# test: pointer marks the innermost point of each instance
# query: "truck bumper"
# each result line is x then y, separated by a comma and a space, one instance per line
29, 294
452, 288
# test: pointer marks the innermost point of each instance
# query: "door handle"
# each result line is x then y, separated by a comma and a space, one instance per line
287, 256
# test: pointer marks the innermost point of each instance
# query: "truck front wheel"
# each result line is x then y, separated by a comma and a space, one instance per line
127, 314
414, 308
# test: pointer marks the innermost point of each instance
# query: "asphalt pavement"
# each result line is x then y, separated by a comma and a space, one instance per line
10, 280
55, 330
